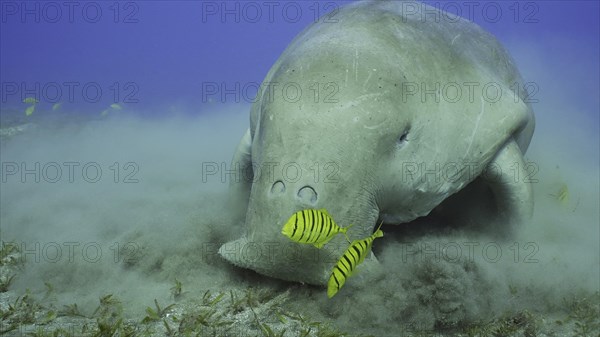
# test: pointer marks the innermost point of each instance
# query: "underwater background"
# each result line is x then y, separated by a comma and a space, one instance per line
110, 110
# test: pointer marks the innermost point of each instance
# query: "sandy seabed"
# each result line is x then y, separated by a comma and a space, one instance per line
120, 206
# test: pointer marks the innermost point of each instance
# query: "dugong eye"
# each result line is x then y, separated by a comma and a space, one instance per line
403, 139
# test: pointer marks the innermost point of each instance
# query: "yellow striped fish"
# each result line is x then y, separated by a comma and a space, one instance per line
312, 226
354, 255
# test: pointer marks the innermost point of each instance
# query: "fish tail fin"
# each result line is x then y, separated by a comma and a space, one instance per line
344, 230
378, 233
381, 223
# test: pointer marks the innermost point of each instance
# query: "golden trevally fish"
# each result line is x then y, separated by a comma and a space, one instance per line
354, 255
312, 226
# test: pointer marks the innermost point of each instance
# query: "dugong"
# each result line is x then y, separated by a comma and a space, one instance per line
381, 110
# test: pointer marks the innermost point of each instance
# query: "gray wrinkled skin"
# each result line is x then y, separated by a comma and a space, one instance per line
367, 144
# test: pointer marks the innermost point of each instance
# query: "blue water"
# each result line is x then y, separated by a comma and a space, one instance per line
149, 55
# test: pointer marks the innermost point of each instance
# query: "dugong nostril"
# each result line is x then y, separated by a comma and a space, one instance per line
278, 188
308, 195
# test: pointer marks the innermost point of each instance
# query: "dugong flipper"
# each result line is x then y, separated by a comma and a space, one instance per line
392, 113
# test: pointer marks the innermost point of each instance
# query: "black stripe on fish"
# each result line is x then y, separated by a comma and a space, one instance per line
322, 222
357, 256
335, 278
317, 225
303, 227
311, 226
341, 266
363, 245
295, 225
311, 213
350, 264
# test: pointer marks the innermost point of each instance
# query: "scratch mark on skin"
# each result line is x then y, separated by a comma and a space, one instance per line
346, 80
373, 127
362, 98
365, 97
454, 39
472, 138
356, 65
367, 80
